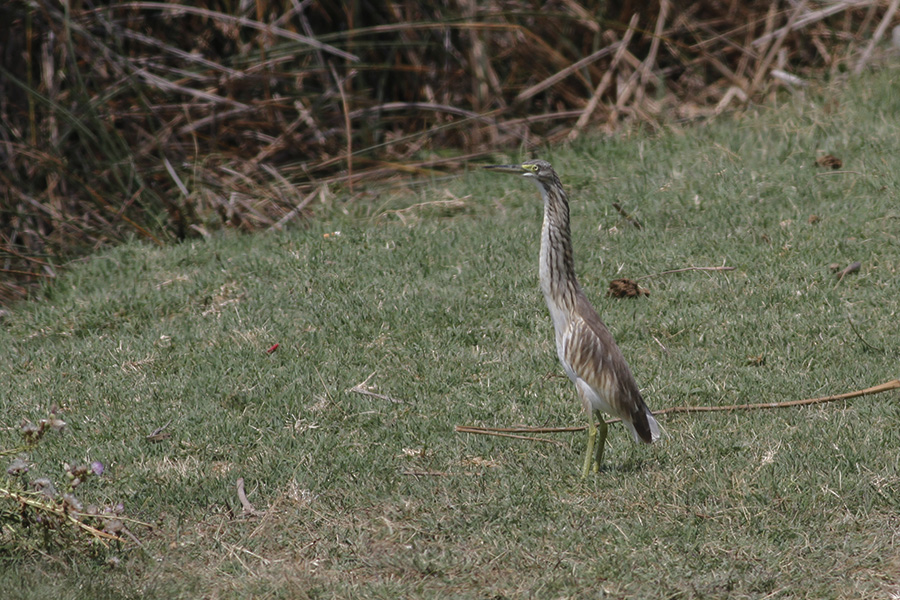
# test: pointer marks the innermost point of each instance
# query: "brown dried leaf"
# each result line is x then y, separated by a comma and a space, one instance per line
626, 288
830, 161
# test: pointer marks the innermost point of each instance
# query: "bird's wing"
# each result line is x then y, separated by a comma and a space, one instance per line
592, 353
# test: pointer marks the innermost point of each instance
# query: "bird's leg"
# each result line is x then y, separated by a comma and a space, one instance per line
596, 444
601, 442
589, 451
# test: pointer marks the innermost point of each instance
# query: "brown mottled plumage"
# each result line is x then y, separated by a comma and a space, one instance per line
585, 347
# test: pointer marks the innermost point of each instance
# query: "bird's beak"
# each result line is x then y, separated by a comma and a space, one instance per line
515, 169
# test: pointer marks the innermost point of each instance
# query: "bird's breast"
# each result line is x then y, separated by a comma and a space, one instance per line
561, 321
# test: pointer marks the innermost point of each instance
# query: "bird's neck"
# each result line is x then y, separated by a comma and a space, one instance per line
557, 270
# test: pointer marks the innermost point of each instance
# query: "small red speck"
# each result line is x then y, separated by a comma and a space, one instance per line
272, 349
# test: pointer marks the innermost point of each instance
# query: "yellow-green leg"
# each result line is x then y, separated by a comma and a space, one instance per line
595, 445
601, 441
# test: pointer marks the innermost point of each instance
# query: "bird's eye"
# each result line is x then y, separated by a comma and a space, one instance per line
532, 168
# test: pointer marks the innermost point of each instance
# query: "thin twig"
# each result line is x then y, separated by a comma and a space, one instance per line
165, 85
360, 388
160, 433
133, 537
28, 273
488, 431
853, 327
519, 429
661, 345
643, 70
687, 269
884, 387
838, 173
248, 509
375, 110
454, 204
627, 216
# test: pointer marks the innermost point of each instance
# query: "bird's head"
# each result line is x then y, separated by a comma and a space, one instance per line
536, 169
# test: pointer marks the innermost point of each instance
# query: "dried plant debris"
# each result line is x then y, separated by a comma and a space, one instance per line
466, 82
32, 433
626, 288
37, 512
851, 268
160, 433
756, 361
830, 161
627, 216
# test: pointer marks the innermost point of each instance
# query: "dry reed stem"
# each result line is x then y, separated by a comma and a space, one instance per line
604, 82
762, 68
649, 64
879, 33
563, 73
314, 96
239, 21
809, 18
349, 158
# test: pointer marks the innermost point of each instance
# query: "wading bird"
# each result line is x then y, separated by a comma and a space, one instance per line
585, 346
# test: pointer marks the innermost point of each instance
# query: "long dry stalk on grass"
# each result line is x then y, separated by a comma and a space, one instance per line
517, 432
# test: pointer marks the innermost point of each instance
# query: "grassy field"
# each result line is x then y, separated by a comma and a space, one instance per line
438, 309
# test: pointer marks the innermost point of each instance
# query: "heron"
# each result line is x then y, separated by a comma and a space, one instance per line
585, 347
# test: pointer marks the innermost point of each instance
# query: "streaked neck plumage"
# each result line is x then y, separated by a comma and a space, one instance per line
557, 269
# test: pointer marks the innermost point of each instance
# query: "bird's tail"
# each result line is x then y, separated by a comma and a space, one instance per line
655, 429
644, 426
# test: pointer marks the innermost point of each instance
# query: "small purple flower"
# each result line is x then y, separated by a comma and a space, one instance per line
97, 468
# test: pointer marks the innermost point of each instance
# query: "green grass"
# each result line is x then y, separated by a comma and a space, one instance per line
367, 497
